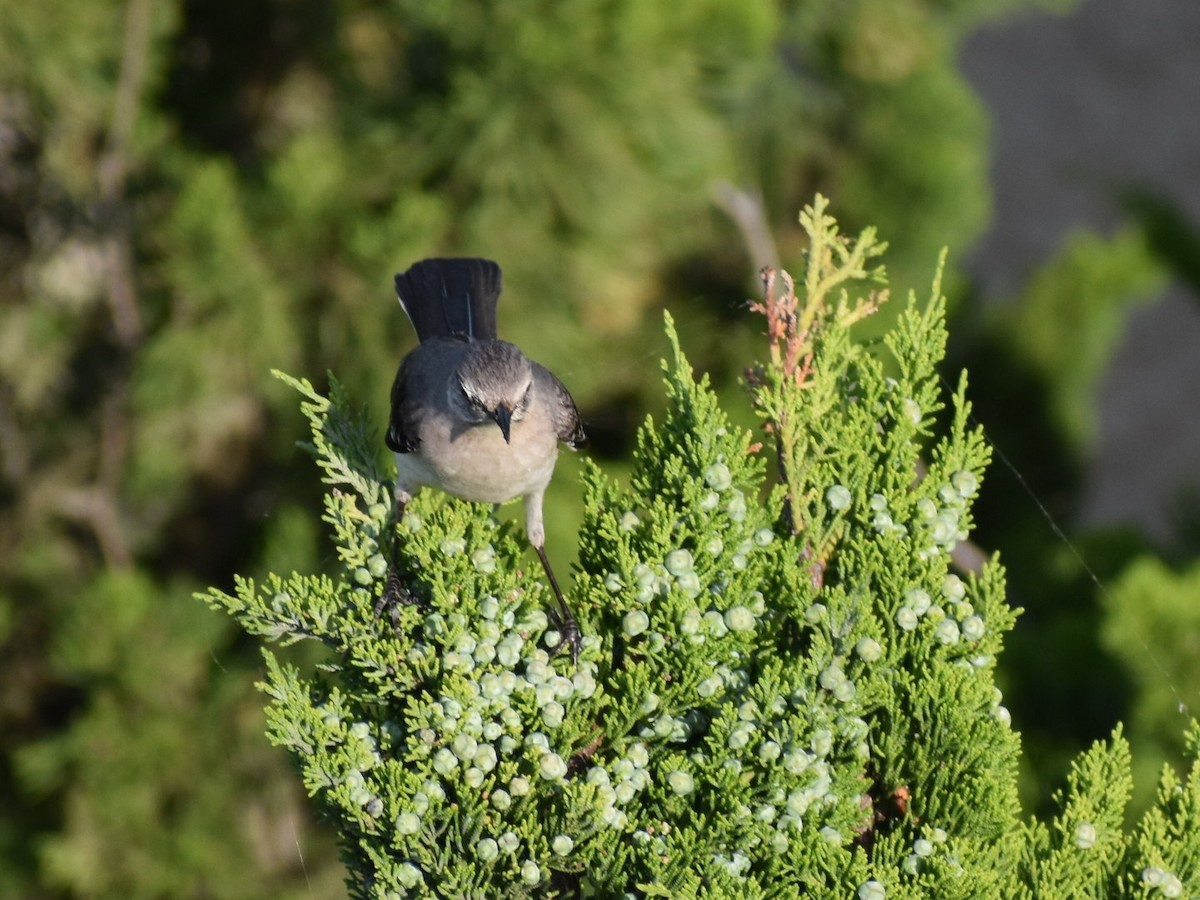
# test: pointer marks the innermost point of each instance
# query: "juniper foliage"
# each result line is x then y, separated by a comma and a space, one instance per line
784, 687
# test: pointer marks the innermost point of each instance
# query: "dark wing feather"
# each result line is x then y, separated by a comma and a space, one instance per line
447, 297
402, 429
567, 423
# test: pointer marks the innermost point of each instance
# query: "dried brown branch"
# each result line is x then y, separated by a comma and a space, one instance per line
745, 208
112, 171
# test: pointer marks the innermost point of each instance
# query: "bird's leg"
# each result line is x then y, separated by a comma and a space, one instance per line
563, 621
395, 592
561, 618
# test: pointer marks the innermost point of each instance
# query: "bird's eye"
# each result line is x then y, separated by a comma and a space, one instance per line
473, 400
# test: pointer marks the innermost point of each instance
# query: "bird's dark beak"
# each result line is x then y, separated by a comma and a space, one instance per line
503, 417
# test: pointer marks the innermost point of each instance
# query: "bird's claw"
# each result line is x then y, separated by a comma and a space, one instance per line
396, 594
568, 635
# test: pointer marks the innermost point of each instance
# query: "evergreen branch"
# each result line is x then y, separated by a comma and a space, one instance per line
766, 704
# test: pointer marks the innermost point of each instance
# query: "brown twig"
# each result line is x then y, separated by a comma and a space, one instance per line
99, 504
745, 208
112, 171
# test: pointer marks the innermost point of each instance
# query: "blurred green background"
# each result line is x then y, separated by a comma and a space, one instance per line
193, 193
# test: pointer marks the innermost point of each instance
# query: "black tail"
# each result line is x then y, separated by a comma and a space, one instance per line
451, 296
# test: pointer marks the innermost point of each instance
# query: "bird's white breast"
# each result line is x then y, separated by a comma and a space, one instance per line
473, 461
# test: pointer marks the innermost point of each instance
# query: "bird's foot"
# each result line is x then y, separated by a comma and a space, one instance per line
396, 595
568, 634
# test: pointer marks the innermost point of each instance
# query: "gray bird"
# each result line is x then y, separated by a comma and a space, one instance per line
471, 414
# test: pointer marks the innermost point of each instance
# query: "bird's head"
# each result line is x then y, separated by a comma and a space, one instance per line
495, 379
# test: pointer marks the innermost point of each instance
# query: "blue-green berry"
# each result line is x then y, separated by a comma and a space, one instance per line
739, 619
972, 628
444, 761
943, 531
831, 676
769, 751
798, 802
509, 842
679, 561
635, 622
1153, 876
552, 767
562, 844
408, 875
489, 607
1085, 835
912, 409
947, 631
552, 714
838, 497
868, 649
485, 757
487, 849
739, 738
530, 873
453, 546
464, 746
583, 682
965, 483
408, 823
689, 583
718, 476
714, 623
822, 742
918, 600
485, 652
484, 559
948, 495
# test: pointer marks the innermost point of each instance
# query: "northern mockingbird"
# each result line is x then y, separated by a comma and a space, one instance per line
471, 414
